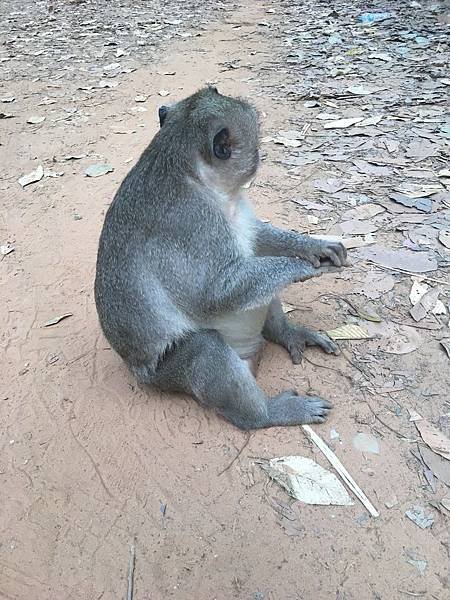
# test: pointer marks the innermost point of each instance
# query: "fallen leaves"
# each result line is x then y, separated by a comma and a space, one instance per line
348, 332
415, 262
343, 123
307, 481
35, 120
57, 320
418, 516
431, 435
98, 170
6, 249
365, 211
32, 177
424, 299
422, 204
330, 185
444, 238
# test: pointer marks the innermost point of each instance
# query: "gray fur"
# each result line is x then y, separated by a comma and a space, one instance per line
187, 276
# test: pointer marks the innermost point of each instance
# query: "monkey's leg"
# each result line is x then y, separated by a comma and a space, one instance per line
204, 366
294, 338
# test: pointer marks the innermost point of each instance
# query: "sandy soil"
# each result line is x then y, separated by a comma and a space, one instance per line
90, 462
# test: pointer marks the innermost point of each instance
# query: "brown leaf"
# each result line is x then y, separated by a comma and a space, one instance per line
432, 436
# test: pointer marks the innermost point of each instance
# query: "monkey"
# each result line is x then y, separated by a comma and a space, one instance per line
188, 278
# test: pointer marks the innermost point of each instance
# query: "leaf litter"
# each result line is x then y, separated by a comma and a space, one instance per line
307, 481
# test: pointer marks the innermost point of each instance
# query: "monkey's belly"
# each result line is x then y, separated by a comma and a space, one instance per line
243, 332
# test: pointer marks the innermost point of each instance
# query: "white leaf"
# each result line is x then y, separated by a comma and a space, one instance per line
349, 332
32, 177
343, 123
98, 170
35, 120
307, 481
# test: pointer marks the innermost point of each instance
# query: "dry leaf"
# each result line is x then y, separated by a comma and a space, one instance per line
307, 481
446, 345
331, 185
419, 517
416, 262
6, 249
431, 435
98, 170
32, 177
356, 227
35, 120
290, 143
404, 340
444, 238
348, 332
370, 121
343, 123
439, 466
368, 317
422, 204
359, 90
291, 134
426, 302
365, 211
57, 319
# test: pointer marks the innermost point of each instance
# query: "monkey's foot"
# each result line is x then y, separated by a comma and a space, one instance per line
298, 338
290, 409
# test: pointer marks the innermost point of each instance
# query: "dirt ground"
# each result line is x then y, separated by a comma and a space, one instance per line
91, 462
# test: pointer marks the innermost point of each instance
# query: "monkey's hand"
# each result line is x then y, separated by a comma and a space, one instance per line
318, 252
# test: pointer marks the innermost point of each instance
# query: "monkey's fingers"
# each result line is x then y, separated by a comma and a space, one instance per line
328, 268
336, 252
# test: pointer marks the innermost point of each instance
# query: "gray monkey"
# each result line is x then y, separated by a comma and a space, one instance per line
187, 276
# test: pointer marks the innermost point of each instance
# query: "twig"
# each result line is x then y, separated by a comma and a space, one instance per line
244, 445
388, 426
308, 360
131, 564
410, 273
416, 325
345, 475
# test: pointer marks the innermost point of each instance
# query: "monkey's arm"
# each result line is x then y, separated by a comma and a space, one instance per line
271, 241
254, 281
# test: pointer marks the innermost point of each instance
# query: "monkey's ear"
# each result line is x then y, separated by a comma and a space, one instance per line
162, 114
222, 144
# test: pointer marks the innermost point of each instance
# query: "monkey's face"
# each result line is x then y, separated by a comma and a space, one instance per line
221, 131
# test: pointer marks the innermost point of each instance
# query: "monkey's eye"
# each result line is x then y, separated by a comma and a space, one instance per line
162, 114
222, 144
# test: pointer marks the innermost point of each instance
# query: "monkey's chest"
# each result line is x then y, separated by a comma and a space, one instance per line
242, 224
242, 330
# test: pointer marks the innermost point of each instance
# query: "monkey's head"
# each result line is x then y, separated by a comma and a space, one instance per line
221, 132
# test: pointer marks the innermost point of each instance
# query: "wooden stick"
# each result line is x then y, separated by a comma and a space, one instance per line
345, 475
131, 564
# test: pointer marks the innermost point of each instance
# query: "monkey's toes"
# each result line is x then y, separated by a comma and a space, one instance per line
327, 345
314, 409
